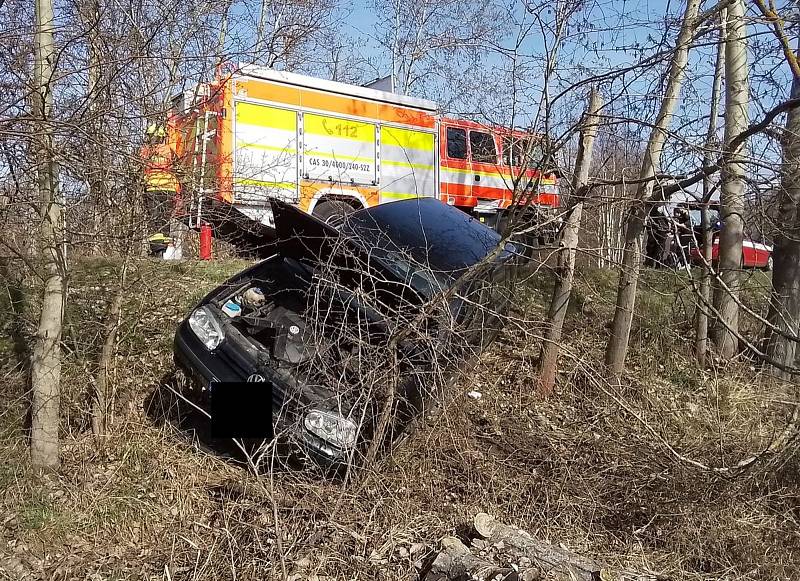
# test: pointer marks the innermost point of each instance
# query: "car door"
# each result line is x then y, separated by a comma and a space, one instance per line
755, 254
487, 181
455, 172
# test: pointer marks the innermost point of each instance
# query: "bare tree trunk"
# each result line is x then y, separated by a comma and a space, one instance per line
96, 169
617, 347
569, 242
46, 362
101, 399
701, 319
610, 226
732, 195
784, 313
223, 34
260, 29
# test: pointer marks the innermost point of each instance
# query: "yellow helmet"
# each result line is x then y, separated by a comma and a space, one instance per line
155, 130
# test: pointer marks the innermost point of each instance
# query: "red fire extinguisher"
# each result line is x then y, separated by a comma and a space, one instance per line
205, 241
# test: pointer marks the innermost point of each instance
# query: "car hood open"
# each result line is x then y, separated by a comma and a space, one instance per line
301, 236
310, 241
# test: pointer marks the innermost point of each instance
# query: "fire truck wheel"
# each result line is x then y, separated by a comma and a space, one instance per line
332, 212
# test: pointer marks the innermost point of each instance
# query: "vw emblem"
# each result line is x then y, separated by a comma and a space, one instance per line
256, 378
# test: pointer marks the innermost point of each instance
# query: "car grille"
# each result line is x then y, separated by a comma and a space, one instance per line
233, 352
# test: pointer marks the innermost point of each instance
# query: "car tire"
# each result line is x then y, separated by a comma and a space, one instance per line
332, 212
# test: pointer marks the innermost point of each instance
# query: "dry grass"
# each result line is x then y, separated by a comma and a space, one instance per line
591, 468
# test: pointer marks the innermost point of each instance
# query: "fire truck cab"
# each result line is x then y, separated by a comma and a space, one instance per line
256, 134
492, 172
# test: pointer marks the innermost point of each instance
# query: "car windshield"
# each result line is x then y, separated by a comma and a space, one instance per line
423, 242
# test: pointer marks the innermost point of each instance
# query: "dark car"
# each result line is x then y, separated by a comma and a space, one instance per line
353, 326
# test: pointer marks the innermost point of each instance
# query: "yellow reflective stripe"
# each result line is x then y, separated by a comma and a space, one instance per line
160, 181
246, 145
313, 153
407, 138
249, 182
263, 116
338, 128
159, 175
398, 195
406, 164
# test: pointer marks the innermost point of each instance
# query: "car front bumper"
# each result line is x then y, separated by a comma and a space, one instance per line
204, 367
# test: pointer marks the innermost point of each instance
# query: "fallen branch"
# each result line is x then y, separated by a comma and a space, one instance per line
456, 561
503, 552
554, 562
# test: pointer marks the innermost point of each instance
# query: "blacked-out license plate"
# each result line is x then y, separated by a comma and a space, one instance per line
241, 410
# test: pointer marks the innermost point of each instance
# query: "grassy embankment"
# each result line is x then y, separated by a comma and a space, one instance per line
607, 470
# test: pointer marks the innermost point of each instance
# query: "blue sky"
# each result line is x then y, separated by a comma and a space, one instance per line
612, 35
362, 18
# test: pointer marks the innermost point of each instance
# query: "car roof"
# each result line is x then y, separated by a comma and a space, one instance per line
441, 238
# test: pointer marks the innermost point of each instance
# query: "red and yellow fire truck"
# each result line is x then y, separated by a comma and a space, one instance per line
488, 170
257, 134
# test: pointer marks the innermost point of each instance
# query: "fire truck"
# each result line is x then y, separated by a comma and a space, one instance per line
256, 134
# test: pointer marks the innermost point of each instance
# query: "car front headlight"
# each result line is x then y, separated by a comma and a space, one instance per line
205, 325
332, 428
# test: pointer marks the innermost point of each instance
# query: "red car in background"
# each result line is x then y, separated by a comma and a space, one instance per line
754, 254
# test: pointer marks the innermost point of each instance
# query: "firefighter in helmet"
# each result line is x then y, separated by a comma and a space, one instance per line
161, 186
